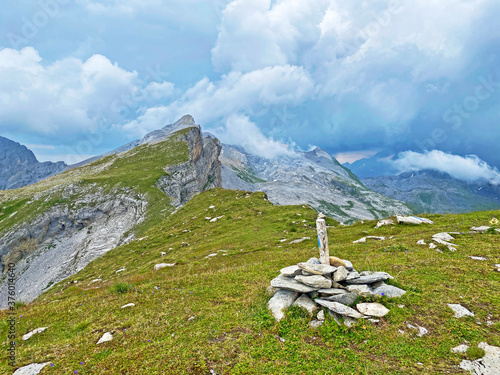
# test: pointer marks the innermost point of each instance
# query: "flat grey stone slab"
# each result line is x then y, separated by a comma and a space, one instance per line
389, 291
347, 299
339, 308
316, 281
283, 282
372, 309
291, 271
317, 269
332, 291
370, 279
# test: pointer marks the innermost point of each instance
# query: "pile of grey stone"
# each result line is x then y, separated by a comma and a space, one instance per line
332, 288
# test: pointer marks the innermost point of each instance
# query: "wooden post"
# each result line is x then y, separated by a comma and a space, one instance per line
324, 253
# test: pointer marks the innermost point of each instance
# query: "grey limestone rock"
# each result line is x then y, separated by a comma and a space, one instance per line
32, 369
306, 303
283, 282
339, 308
370, 278
281, 300
317, 269
316, 281
488, 365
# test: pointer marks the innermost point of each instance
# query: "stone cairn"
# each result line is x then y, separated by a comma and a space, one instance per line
331, 283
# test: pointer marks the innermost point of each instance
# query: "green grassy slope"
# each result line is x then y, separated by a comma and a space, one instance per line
211, 313
138, 170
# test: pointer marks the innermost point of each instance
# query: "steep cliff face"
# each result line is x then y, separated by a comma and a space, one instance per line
19, 166
201, 172
63, 240
53, 229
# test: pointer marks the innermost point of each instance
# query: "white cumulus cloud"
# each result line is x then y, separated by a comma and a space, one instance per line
68, 96
234, 93
469, 168
239, 130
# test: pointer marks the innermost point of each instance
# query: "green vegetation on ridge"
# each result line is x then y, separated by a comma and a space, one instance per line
210, 313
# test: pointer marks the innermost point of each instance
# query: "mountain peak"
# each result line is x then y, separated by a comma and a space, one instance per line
186, 120
19, 166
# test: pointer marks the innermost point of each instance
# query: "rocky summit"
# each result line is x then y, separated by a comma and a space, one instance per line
19, 166
314, 292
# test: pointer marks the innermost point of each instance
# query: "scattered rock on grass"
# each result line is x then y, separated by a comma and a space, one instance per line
363, 240
413, 220
443, 236
480, 229
451, 247
460, 349
421, 242
128, 305
421, 330
459, 310
321, 315
105, 338
316, 323
163, 265
381, 223
488, 365
32, 369
300, 240
34, 332
477, 258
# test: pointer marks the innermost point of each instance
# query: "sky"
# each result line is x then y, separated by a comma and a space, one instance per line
356, 78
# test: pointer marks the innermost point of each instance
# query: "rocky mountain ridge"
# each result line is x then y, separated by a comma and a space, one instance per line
314, 178
436, 192
61, 224
19, 166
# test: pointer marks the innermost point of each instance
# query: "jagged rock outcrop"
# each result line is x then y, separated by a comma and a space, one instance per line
86, 220
313, 178
19, 166
201, 172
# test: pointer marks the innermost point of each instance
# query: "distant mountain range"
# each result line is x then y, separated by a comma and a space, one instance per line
19, 166
313, 177
436, 192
